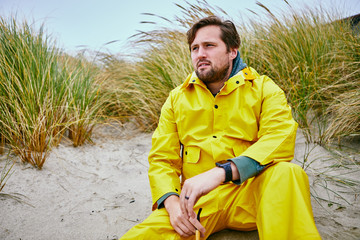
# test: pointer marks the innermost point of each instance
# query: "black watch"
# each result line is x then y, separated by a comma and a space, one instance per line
227, 166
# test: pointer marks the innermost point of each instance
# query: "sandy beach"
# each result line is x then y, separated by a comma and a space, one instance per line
100, 190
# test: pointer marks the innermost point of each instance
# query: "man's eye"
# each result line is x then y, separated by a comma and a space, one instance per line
194, 48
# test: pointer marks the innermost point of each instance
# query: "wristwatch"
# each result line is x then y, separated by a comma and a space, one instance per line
227, 166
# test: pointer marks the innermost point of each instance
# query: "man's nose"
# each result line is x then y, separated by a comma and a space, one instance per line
202, 53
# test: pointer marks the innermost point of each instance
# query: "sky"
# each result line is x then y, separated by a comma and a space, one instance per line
79, 24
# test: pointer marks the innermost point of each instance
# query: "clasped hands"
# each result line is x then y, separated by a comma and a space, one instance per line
181, 209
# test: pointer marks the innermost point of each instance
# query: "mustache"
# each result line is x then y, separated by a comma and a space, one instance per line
202, 62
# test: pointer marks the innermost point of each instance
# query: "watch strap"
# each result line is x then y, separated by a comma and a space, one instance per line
228, 171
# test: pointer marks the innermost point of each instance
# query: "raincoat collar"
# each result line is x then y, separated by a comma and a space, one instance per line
237, 80
238, 65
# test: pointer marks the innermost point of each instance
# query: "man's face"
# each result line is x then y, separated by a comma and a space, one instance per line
210, 58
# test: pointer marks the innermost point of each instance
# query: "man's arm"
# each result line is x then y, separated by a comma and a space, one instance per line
164, 158
277, 128
246, 168
165, 166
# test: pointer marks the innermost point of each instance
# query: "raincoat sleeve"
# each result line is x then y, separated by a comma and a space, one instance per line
277, 128
246, 167
160, 202
164, 158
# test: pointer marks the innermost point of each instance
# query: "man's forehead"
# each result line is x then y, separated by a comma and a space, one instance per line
207, 34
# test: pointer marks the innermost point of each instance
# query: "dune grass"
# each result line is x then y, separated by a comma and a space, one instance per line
28, 76
43, 93
138, 89
5, 173
344, 115
84, 100
315, 59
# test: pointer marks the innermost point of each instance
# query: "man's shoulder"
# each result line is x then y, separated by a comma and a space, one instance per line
253, 72
267, 84
182, 86
254, 75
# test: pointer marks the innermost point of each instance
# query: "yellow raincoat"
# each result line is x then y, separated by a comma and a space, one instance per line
248, 117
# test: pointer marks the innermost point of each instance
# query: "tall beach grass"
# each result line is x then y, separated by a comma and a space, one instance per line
315, 58
5, 173
137, 90
42, 93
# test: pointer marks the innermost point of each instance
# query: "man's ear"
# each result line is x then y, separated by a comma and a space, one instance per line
233, 53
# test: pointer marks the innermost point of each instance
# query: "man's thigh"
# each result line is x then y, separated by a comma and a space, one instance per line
214, 216
155, 226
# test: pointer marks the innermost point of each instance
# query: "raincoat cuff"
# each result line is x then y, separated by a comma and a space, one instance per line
247, 168
161, 200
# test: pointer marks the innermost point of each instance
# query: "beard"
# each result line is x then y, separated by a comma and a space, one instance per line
213, 74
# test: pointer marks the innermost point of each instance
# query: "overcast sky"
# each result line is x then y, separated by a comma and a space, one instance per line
93, 23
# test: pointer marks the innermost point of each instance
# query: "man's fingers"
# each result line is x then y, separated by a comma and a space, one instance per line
185, 198
190, 207
181, 232
182, 196
198, 226
191, 228
185, 228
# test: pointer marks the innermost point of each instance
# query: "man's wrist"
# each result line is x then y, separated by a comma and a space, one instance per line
170, 202
235, 172
226, 165
220, 174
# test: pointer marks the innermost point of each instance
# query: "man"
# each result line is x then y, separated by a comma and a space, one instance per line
225, 111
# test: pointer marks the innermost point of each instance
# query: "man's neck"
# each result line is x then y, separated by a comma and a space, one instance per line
215, 87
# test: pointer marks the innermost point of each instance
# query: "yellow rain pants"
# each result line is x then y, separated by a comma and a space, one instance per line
276, 202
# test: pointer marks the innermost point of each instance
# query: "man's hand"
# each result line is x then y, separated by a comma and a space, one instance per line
198, 186
182, 224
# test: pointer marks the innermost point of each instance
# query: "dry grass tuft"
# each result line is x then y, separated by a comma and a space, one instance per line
42, 93
344, 115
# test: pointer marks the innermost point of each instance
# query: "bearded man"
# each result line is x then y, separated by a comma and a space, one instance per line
224, 143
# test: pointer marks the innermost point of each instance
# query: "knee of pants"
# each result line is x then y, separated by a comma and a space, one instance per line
283, 174
288, 167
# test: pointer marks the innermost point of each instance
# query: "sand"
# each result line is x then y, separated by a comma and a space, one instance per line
100, 190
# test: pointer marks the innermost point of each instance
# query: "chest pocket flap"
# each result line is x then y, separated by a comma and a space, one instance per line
191, 154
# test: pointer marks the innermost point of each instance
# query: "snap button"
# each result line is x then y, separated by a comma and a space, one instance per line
185, 152
193, 80
216, 106
237, 82
214, 136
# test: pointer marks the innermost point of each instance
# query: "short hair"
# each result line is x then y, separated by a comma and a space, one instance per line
229, 35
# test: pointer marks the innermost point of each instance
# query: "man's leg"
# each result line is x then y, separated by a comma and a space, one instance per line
281, 203
156, 226
213, 217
